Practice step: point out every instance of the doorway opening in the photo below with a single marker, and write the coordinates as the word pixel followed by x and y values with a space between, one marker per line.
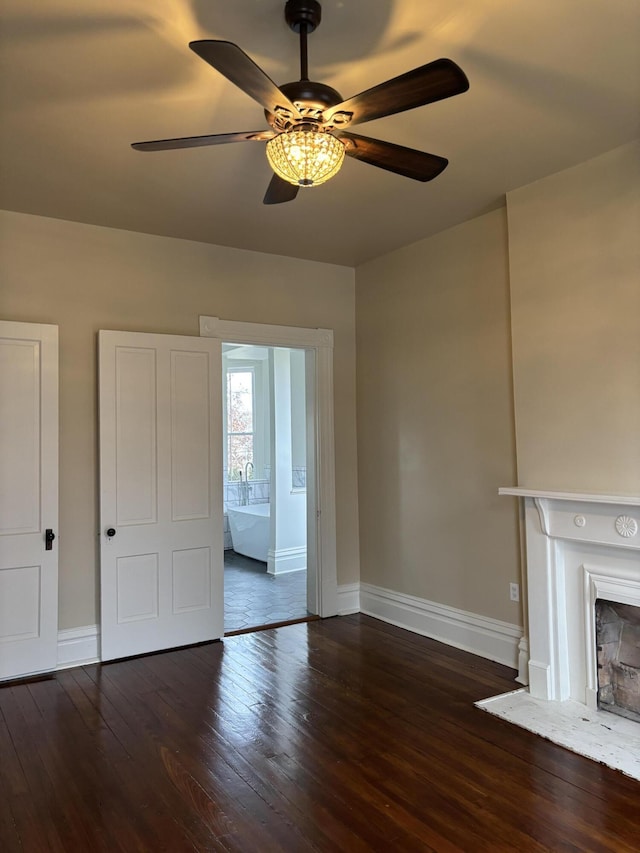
pixel 265 458
pixel 317 345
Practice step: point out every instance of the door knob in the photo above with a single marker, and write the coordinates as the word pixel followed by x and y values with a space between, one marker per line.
pixel 110 532
pixel 49 536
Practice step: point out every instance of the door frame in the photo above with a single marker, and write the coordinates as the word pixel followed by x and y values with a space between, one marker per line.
pixel 320 480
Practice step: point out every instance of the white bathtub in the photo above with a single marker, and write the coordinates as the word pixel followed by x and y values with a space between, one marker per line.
pixel 249 527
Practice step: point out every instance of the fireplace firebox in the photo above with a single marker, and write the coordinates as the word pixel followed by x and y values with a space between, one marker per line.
pixel 618 657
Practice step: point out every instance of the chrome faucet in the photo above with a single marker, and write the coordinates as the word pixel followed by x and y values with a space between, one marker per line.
pixel 245 488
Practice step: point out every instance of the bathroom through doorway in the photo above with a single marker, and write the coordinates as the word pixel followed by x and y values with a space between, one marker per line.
pixel 265 460
pixel 320 494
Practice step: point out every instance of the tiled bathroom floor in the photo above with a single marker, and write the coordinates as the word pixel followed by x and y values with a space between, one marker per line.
pixel 253 598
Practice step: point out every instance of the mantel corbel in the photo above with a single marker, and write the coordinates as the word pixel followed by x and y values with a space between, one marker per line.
pixel 543 512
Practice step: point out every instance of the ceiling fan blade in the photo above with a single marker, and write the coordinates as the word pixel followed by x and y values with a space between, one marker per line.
pixel 432 82
pixel 198 141
pixel 235 65
pixel 279 191
pixel 417 165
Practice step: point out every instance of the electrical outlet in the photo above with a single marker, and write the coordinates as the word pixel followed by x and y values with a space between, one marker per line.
pixel 514 591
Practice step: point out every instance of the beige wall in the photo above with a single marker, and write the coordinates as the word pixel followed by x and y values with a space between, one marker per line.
pixel 435 422
pixel 86 278
pixel 574 243
pixel 434 390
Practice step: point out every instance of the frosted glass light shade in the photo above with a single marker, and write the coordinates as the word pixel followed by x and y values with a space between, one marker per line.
pixel 305 158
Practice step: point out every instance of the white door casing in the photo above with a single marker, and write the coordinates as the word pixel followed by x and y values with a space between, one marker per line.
pixel 322 593
pixel 28 498
pixel 160 469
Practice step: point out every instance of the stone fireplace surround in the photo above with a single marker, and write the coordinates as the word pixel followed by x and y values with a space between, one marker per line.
pixel 579 547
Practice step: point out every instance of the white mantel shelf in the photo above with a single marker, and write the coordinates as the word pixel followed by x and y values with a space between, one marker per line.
pixel 583 497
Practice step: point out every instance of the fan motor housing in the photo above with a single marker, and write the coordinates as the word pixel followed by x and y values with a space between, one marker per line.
pixel 311 100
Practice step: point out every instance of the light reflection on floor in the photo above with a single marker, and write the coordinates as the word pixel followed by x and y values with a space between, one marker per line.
pixel 253 598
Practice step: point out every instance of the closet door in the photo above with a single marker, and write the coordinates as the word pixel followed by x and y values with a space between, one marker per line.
pixel 160 492
pixel 28 498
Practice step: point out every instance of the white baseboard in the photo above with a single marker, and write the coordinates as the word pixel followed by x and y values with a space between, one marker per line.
pixel 284 560
pixel 348 599
pixel 78 646
pixel 481 635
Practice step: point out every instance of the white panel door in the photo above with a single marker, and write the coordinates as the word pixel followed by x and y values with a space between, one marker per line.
pixel 28 498
pixel 160 492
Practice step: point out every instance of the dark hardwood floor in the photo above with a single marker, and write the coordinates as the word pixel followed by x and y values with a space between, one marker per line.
pixel 338 735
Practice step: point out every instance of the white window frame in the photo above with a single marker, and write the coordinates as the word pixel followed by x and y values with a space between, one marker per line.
pixel 261 428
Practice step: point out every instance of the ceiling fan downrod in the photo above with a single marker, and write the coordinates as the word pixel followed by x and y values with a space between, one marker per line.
pixel 303 16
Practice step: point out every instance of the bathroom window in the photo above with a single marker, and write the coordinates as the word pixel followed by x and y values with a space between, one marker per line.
pixel 240 420
pixel 246 412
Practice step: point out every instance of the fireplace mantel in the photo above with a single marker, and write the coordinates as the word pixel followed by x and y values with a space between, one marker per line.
pixel 576 544
pixel 584 497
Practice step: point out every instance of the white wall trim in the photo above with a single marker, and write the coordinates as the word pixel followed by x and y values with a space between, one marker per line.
pixel 264 333
pixel 480 635
pixel 348 599
pixel 523 661
pixel 78 646
pixel 281 561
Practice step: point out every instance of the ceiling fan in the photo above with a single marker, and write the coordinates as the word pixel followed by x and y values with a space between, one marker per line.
pixel 309 121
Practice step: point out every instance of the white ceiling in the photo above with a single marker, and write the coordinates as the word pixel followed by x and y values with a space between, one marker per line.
pixel 552 83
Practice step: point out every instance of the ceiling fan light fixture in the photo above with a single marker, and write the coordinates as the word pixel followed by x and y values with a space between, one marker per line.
pixel 311 123
pixel 305 157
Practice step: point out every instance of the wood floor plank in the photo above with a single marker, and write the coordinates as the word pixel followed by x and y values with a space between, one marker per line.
pixel 34 811
pixel 150 711
pixel 246 746
pixel 345 734
pixel 513 831
pixel 268 729
pixel 154 817
pixel 376 731
pixel 13 787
